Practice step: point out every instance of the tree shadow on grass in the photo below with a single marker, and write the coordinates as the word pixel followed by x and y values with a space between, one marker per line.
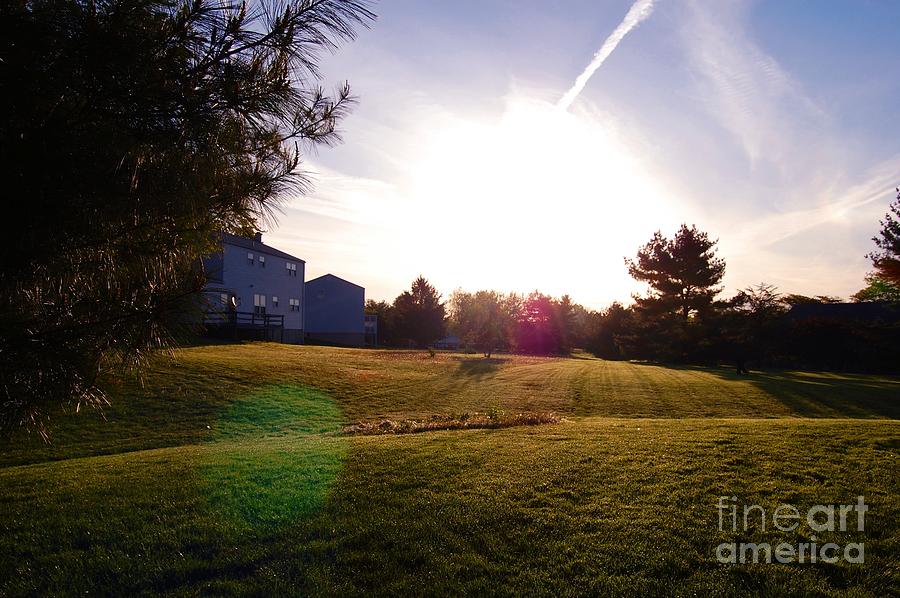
pixel 820 394
pixel 815 394
pixel 478 367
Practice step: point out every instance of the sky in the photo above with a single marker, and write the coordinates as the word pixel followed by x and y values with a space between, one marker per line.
pixel 488 151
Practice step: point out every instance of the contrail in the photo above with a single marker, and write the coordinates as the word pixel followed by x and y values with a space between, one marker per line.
pixel 639 11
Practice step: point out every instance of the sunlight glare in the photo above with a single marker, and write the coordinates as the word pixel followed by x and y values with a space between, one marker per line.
pixel 542 196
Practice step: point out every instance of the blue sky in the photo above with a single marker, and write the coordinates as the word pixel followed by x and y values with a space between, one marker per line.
pixel 768 124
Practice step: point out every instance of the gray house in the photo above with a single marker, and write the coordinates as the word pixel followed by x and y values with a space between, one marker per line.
pixel 255 291
pixel 335 311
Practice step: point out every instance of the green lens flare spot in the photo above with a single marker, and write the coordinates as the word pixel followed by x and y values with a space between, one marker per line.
pixel 271 461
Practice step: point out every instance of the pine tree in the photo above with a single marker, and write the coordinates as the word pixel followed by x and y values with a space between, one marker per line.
pixel 420 313
pixel 683 273
pixel 887 259
pixel 132 132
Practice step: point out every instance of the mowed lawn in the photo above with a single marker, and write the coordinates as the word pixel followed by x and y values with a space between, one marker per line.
pixel 225 473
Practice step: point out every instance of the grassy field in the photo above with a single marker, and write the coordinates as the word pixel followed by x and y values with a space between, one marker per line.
pixel 225 473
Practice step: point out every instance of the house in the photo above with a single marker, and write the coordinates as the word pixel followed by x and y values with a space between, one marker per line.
pixel 254 291
pixel 451 342
pixel 335 311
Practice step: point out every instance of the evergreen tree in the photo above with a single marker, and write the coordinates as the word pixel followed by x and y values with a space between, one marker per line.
pixel 420 313
pixel 878 289
pixel 133 131
pixel 887 259
pixel 683 273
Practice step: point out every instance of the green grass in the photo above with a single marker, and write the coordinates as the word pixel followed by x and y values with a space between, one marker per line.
pixel 225 474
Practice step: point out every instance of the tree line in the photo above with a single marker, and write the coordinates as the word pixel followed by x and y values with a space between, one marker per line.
pixel 485 321
pixel 682 318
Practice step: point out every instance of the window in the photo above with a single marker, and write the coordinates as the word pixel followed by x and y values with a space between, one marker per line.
pixel 259 304
pixel 274 301
pixel 262 261
pixel 291 268
pixel 295 304
pixel 223 297
pixel 250 259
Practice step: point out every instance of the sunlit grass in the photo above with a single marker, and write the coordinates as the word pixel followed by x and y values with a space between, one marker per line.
pixel 227 474
pixel 601 505
pixel 182 400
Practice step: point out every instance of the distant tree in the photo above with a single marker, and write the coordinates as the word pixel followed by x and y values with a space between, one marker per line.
pixel 564 324
pixel 386 321
pixel 543 325
pixel 132 132
pixel 534 333
pixel 583 324
pixel 751 325
pixel 795 299
pixel 610 327
pixel 683 273
pixel 460 313
pixel 878 289
pixel 761 301
pixel 887 258
pixel 654 335
pixel 493 322
pixel 484 319
pixel 420 313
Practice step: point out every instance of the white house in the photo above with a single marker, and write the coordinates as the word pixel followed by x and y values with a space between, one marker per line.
pixel 255 291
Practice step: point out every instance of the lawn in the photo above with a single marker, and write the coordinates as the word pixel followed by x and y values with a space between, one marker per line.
pixel 225 473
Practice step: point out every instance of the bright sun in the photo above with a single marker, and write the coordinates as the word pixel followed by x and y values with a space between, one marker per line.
pixel 541 198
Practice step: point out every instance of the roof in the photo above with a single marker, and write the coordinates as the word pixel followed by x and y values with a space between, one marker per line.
pixel 336 278
pixel 864 311
pixel 257 246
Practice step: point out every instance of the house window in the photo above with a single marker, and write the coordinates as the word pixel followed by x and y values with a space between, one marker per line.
pixel 223 297
pixel 291 268
pixel 274 301
pixel 262 261
pixel 250 259
pixel 259 304
pixel 295 304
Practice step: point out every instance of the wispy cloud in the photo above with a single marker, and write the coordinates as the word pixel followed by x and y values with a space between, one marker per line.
pixel 528 190
pixel 853 204
pixel 347 198
pixel 639 11
pixel 746 89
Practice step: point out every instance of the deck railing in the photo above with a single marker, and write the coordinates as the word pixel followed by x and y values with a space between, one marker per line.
pixel 245 324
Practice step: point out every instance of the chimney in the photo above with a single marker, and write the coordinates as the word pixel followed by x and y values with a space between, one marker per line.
pixel 258 237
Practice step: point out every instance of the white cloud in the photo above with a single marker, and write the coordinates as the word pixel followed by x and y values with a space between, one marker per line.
pixel 526 196
pixel 808 210
pixel 746 90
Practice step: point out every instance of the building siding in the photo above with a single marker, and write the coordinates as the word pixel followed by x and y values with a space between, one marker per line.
pixel 335 311
pixel 236 276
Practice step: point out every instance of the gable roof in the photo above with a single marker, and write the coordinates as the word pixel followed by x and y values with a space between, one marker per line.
pixel 257 246
pixel 338 278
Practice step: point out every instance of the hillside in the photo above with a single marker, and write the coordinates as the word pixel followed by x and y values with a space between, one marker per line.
pixel 226 474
